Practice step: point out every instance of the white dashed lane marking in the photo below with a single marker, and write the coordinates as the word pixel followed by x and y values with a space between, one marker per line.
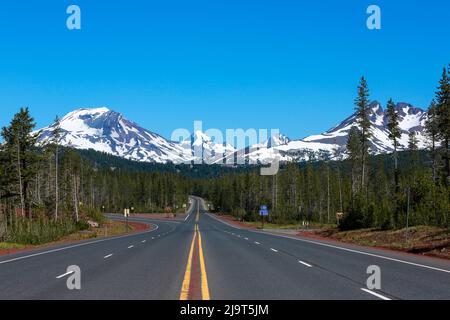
pixel 375 294
pixel 305 264
pixel 65 274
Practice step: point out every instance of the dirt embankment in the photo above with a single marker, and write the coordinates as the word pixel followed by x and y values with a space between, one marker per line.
pixel 424 240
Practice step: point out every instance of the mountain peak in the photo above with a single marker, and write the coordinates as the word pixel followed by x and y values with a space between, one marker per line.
pixel 88 111
pixel 277 140
pixel 376 107
pixel 104 130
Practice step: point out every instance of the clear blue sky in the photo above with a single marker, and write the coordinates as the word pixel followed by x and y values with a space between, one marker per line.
pixel 292 65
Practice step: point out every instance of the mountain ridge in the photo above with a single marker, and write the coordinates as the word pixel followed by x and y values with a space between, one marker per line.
pixel 105 130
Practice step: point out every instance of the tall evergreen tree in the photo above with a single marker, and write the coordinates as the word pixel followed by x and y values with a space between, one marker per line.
pixel 413 143
pixel 394 135
pixel 432 133
pixel 20 144
pixel 363 120
pixel 354 154
pixel 443 119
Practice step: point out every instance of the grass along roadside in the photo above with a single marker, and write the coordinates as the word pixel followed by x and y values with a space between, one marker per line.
pixel 11 246
pixel 109 228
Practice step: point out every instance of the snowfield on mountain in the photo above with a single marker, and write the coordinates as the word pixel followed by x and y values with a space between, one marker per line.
pixel 108 131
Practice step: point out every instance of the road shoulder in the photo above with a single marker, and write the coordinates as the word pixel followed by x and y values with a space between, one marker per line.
pixel 435 262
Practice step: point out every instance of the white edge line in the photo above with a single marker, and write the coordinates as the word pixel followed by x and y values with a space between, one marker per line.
pixel 336 247
pixel 78 245
pixel 189 209
pixel 65 274
pixel 375 294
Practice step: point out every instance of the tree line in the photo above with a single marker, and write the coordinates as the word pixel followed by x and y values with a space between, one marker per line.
pixel 47 191
pixel 387 191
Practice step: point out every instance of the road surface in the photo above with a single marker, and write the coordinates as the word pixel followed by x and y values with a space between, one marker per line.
pixel 205 258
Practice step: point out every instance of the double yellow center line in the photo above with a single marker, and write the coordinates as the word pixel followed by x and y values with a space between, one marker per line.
pixel 192 275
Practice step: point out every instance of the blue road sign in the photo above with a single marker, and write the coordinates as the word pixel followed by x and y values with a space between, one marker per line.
pixel 263 211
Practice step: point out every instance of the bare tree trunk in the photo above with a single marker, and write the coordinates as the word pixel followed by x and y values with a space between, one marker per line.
pixel 433 152
pixel 328 194
pixel 274 193
pixel 56 184
pixel 75 198
pixel 447 162
pixel 363 163
pixel 340 190
pixel 22 198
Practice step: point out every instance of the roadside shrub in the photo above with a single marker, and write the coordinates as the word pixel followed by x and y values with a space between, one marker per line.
pixel 82 225
pixel 42 230
pixel 95 214
pixel 352 220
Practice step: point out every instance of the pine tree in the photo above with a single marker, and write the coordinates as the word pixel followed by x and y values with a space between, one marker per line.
pixel 432 133
pixel 394 135
pixel 413 149
pixel 362 117
pixel 443 119
pixel 354 154
pixel 20 144
pixel 412 141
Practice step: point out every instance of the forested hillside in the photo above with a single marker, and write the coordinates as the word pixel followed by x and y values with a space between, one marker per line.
pixel 317 191
pixel 49 191
pixel 407 187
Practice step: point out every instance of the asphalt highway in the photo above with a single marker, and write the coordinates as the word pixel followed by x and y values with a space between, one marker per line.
pixel 204 258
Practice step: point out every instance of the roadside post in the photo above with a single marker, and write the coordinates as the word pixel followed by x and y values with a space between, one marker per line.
pixel 263 211
pixel 126 213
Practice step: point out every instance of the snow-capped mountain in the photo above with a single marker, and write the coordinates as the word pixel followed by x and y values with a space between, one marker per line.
pixel 203 149
pixel 107 131
pixel 410 119
pixel 323 146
